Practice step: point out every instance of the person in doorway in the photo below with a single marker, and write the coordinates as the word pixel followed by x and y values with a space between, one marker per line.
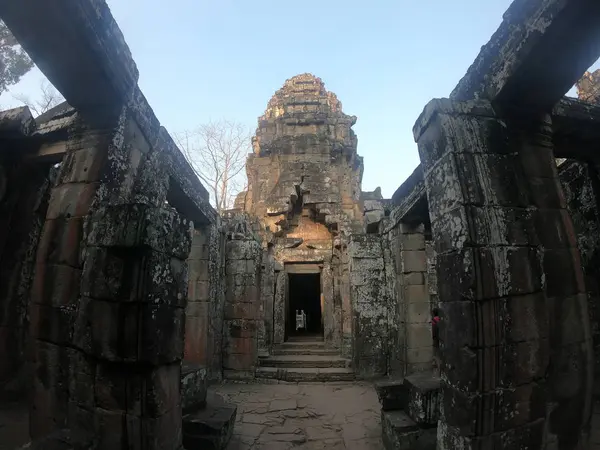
pixel 435 332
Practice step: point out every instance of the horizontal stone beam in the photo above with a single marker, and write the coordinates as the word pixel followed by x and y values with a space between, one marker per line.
pixel 16 123
pixel 78 46
pixel 540 50
pixel 410 200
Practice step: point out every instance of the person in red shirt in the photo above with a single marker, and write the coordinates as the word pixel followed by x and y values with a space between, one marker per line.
pixel 435 319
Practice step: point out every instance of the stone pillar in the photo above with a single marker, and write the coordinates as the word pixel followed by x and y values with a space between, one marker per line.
pixel 431 280
pixel 344 288
pixel 487 209
pixel 370 303
pixel 279 307
pixel 570 374
pixel 109 294
pixel 331 330
pixel 242 302
pixel 198 307
pixel 267 291
pixel 216 271
pixel 414 300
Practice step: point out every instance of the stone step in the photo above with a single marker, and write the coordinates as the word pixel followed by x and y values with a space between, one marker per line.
pixel 306 374
pixel 304 361
pixel 193 386
pixel 303 344
pixel 417 395
pixel 304 351
pixel 423 398
pixel 400 432
pixel 210 428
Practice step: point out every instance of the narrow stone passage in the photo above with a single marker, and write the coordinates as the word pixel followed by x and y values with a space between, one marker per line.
pixel 310 416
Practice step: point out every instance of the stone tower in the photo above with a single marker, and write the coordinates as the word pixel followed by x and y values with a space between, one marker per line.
pixel 305 162
pixel 304 187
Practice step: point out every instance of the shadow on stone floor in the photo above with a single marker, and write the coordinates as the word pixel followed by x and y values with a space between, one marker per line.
pixel 311 416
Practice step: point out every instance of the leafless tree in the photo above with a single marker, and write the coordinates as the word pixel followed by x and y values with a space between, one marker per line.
pixel 47 99
pixel 217 151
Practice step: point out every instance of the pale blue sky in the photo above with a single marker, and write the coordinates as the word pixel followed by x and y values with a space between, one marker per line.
pixel 385 59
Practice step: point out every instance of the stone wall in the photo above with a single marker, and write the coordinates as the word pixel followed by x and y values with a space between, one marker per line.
pixel 373 326
pixel 581 185
pixel 204 312
pixel 243 311
pixel 24 195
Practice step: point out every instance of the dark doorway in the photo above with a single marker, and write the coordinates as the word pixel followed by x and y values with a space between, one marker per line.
pixel 304 295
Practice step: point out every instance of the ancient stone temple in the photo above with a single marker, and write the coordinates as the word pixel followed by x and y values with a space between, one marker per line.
pixel 304 181
pixel 124 295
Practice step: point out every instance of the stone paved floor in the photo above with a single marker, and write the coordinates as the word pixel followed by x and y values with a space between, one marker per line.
pixel 308 416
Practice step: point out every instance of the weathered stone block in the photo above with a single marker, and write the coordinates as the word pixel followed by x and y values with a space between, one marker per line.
pixel 367 264
pixel 60 242
pixel 418 312
pixel 393 395
pixel 418 335
pixel 56 285
pixel 563 274
pixel 399 432
pixel 198 290
pixel 239 328
pixel 161 229
pixel 413 241
pixel 71 200
pixel 416 293
pixel 527 404
pixel 53 324
pixel 419 355
pixel 129 331
pixel 242 311
pixel 364 247
pixel 414 261
pixel 118 274
pixel 210 428
pixel 193 387
pixel 412 278
pixel 152 392
pixel 423 398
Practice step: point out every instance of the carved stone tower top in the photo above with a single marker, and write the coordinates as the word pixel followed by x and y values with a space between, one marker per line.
pixel 305 113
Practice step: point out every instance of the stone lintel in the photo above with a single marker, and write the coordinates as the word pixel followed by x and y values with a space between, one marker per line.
pixel 540 50
pixel 87 60
pixel 576 128
pixel 481 108
pixel 16 123
pixel 410 201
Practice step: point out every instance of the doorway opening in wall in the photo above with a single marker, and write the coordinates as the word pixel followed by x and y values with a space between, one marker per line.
pixel 304 311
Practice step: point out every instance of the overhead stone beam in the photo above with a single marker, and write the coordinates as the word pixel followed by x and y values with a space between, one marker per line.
pixel 410 200
pixel 576 128
pixel 79 47
pixel 537 54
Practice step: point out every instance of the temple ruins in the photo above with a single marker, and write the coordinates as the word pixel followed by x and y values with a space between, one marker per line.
pixel 124 295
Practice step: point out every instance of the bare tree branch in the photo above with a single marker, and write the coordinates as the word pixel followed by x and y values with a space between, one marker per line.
pixel 217 152
pixel 48 98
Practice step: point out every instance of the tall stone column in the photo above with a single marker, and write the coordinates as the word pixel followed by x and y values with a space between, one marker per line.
pixel 489 214
pixel 242 303
pixel 198 307
pixel 109 296
pixel 414 298
pixel 570 375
